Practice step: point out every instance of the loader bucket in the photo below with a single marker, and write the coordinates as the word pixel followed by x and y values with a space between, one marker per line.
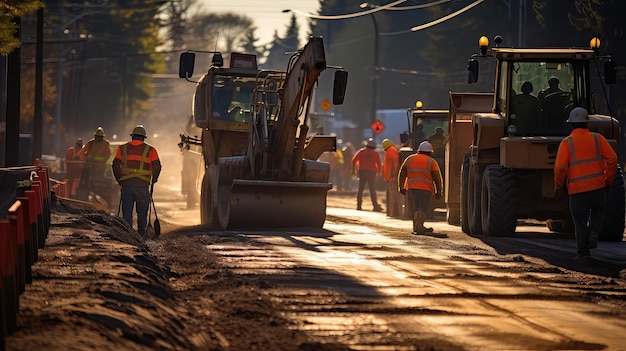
pixel 272 204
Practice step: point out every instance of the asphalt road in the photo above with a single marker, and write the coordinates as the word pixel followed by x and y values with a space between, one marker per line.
pixel 364 281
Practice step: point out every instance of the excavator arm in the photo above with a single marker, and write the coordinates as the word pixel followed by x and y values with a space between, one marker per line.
pixel 286 145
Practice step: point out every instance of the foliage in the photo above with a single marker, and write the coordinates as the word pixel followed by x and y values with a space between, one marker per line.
pixel 282 47
pixel 9 10
pixel 218 31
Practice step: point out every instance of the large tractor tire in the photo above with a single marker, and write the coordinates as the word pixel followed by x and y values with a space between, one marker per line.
pixel 208 211
pixel 463 195
pixel 613 229
pixel 498 201
pixel 474 185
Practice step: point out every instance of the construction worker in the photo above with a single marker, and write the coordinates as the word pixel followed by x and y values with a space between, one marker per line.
pixel 390 174
pixel 366 161
pixel 586 166
pixel 136 167
pixel 420 177
pixel 346 168
pixel 73 166
pixel 96 153
pixel 438 141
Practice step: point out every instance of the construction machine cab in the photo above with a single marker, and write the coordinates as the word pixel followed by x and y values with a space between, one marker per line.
pixel 507 168
pixel 536 88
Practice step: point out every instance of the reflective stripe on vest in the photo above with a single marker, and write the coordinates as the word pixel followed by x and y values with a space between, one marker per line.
pixel 577 167
pixel 97 151
pixel 418 173
pixel 137 166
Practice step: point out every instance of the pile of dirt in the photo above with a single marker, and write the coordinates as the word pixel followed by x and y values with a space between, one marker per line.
pixel 98 286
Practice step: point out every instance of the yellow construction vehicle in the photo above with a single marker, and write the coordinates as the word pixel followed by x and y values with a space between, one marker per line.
pixel 502 146
pixel 260 161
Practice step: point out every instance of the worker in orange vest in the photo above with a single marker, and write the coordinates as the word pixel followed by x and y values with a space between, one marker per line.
pixel 366 161
pixel 390 174
pixel 136 167
pixel 73 166
pixel 420 177
pixel 96 153
pixel 586 165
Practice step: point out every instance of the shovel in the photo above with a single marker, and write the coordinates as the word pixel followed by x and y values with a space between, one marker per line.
pixel 157 224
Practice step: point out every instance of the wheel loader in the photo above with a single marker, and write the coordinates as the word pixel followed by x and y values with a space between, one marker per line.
pixel 260 161
pixel 502 146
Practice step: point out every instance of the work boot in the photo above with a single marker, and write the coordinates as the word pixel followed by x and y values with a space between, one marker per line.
pixel 418 223
pixel 377 208
pixel 593 239
pixel 358 207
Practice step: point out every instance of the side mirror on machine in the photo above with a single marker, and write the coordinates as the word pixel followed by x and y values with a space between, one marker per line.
pixel 610 72
pixel 472 68
pixel 185 67
pixel 339 86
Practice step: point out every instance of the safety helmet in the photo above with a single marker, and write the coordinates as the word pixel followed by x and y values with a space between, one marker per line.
pixel 578 115
pixel 99 132
pixel 371 143
pixel 386 144
pixel 140 131
pixel 425 147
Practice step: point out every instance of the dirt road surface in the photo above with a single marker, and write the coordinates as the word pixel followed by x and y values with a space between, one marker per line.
pixel 363 282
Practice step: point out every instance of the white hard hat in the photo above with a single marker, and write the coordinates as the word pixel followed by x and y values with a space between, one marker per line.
pixel 578 115
pixel 425 147
pixel 140 131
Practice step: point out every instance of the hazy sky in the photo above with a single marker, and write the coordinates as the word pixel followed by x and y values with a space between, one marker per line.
pixel 267 14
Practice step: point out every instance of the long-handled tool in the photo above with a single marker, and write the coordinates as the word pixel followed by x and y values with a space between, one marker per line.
pixel 157 224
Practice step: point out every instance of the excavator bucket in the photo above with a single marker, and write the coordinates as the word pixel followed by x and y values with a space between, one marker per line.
pixel 272 204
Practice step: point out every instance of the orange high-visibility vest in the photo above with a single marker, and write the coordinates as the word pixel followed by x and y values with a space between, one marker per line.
pixel 136 161
pixel 391 163
pixel 419 168
pixel 97 151
pixel 587 161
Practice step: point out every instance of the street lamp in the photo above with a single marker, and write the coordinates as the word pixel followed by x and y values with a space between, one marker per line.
pixel 375 66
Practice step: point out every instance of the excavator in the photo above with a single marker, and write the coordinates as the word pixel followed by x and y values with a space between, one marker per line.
pixel 260 161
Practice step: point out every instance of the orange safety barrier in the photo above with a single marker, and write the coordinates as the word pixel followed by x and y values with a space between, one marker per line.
pixel 42 174
pixel 41 221
pixel 15 214
pixel 30 249
pixel 34 228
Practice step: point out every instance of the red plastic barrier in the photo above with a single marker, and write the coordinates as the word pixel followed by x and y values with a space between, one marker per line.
pixel 34 228
pixel 41 218
pixel 15 215
pixel 45 181
pixel 30 249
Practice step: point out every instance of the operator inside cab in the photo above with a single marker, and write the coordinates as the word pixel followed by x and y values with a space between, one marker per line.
pixel 231 99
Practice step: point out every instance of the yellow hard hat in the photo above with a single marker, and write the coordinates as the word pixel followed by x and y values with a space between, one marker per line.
pixel 139 130
pixel 386 143
pixel 99 132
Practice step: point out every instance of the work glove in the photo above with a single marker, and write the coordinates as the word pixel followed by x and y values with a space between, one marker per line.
pixel 403 191
pixel 154 180
pixel 559 193
pixel 438 196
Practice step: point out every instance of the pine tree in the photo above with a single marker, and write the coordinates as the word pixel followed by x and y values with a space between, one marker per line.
pixel 282 48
